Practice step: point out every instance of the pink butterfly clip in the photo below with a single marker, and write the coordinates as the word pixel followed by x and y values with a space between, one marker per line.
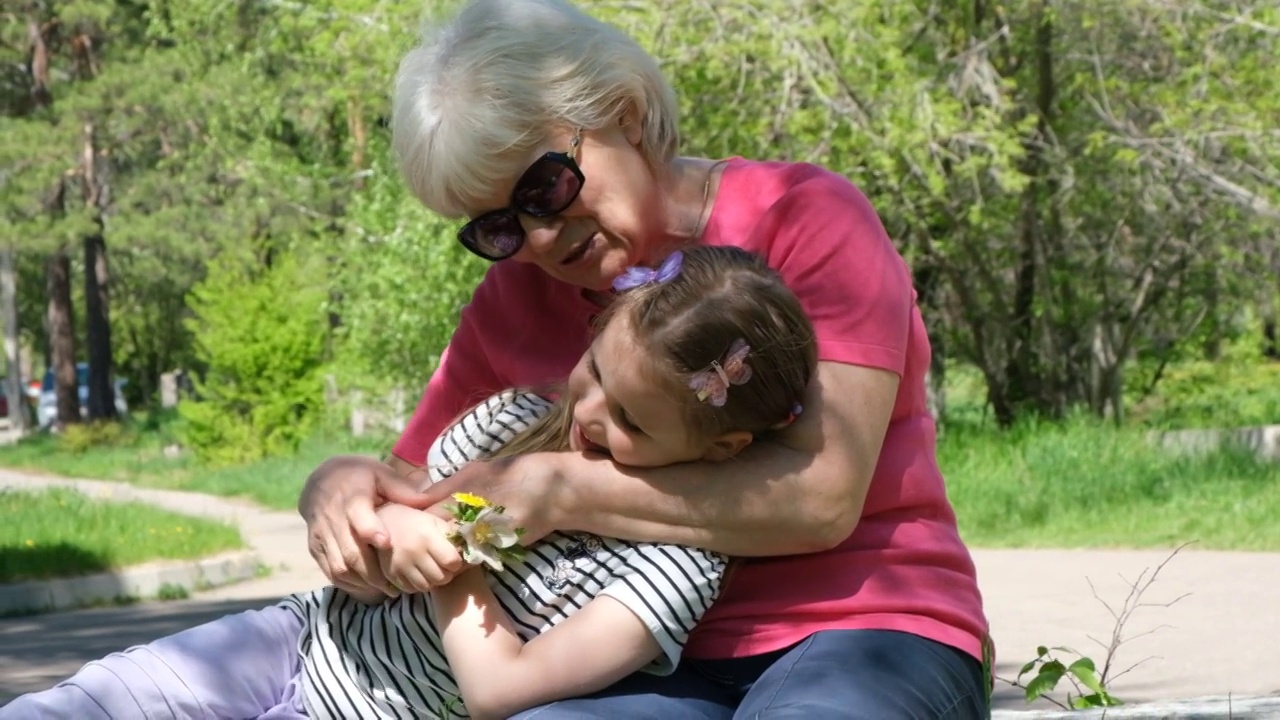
pixel 712 385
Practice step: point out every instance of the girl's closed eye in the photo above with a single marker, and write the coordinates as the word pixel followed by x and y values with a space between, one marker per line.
pixel 629 425
pixel 623 419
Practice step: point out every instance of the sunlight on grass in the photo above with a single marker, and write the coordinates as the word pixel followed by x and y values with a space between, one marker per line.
pixel 1083 483
pixel 62 533
pixel 139 459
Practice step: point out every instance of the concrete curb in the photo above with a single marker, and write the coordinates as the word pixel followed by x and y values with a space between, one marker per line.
pixel 144 581
pixel 1204 708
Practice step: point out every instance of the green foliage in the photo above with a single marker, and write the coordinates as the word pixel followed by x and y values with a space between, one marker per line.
pixel 1130 211
pixel 1088 689
pixel 1225 394
pixel 172 591
pixel 80 437
pixel 260 334
pixel 402 280
pixel 1211 382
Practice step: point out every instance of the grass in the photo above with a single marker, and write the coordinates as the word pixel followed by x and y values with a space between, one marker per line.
pixel 138 457
pixel 1084 483
pixel 62 533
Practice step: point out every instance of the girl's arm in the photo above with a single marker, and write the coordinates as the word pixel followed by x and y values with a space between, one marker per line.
pixel 500 675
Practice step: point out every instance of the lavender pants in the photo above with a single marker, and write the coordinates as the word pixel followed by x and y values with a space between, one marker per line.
pixel 240 666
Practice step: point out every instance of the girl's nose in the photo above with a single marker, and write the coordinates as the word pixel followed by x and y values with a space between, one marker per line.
pixel 587 410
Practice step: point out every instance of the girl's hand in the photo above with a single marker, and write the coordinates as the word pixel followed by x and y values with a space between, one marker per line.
pixel 343 531
pixel 526 485
pixel 421 556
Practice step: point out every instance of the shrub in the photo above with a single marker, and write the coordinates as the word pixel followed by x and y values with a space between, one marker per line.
pixel 79 437
pixel 260 334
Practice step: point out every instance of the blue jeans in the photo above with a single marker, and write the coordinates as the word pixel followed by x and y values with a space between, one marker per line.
pixel 874 674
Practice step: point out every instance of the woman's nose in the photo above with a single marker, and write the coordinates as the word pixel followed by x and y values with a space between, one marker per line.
pixel 540 236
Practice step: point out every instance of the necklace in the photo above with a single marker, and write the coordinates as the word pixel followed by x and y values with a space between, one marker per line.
pixel 703 215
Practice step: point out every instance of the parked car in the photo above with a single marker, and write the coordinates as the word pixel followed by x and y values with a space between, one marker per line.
pixel 47 402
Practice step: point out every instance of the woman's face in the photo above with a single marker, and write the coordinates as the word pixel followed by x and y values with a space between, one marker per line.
pixel 621 407
pixel 615 222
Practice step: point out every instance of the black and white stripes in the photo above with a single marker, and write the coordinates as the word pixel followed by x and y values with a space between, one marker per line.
pixel 386 661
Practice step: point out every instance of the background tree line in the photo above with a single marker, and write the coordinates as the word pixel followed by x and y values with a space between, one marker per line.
pixel 1085 191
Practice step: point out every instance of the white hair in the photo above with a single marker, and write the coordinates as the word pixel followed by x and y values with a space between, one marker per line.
pixel 480 92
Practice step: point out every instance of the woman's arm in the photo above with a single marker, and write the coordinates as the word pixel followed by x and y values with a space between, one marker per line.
pixel 499 674
pixel 801 492
pixel 805 490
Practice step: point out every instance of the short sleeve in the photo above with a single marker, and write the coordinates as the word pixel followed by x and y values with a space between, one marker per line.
pixel 669 588
pixel 483 430
pixel 829 246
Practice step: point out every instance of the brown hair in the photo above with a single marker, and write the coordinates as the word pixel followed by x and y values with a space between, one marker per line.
pixel 719 295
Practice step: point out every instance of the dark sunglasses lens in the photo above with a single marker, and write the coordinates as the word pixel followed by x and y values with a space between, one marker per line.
pixel 547 187
pixel 495 236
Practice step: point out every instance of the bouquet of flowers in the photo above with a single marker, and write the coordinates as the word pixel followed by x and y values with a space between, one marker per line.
pixel 484 534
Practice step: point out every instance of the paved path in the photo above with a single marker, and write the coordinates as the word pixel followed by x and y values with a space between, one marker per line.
pixel 1218 639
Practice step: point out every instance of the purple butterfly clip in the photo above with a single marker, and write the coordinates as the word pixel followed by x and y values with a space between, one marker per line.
pixel 634 277
pixel 712 385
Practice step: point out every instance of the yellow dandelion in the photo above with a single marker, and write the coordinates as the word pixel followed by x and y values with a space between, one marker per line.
pixel 31 543
pixel 472 500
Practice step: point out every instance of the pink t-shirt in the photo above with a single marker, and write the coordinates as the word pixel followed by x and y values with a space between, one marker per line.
pixel 904 567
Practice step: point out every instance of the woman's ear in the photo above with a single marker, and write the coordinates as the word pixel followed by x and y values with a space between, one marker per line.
pixel 631 121
pixel 727 446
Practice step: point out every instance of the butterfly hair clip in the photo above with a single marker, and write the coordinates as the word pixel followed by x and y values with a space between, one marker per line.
pixel 712 385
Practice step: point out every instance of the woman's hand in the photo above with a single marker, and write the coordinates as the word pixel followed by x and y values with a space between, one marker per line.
pixel 343 531
pixel 421 556
pixel 526 486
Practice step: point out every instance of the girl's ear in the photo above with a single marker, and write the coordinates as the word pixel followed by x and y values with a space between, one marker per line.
pixel 727 445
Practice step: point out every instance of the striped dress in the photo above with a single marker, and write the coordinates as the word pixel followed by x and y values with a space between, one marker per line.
pixel 386 661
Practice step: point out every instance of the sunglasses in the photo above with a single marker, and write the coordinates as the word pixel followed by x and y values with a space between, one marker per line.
pixel 547 188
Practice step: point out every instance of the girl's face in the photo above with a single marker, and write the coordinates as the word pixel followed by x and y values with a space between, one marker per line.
pixel 613 224
pixel 623 408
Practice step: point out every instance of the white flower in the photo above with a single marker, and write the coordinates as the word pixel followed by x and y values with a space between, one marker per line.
pixel 484 538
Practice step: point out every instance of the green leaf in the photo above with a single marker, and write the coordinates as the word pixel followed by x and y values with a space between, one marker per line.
pixel 1044 682
pixel 1087 701
pixel 1085 672
pixel 1027 668
pixel 1109 700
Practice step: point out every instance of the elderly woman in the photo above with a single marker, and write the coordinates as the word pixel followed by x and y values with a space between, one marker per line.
pixel 556 136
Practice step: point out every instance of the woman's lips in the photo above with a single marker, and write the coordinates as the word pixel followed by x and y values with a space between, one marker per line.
pixel 579 252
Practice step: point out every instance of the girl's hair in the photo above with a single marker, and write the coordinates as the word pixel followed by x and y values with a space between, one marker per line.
pixel 720 295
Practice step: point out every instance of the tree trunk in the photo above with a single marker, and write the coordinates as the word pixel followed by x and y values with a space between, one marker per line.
pixel 102 405
pixel 1270 309
pixel 1106 386
pixel 62 340
pixel 13 383
pixel 1024 369
pixel 1270 339
pixel 927 282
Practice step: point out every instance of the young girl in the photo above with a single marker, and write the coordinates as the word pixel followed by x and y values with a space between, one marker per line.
pixel 692 361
